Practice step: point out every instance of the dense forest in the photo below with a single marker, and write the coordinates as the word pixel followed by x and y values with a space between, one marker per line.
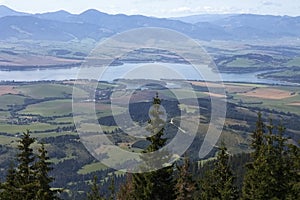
pixel 270 171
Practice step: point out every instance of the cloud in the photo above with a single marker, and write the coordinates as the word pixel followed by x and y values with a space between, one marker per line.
pixel 270 3
pixel 181 9
pixel 204 9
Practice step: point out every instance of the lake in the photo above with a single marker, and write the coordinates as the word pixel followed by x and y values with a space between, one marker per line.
pixel 141 70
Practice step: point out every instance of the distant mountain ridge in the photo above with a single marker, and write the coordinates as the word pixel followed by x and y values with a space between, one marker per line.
pixel 64 26
pixel 193 19
pixel 5 11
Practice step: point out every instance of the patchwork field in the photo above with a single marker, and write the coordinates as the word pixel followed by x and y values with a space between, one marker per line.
pixel 7 89
pixel 45 108
pixel 269 93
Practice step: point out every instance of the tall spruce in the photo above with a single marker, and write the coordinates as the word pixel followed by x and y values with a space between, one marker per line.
pixel 25 175
pixel 112 188
pixel 94 193
pixel 9 188
pixel 42 167
pixel 185 185
pixel 268 176
pixel 294 161
pixel 30 179
pixel 157 184
pixel 258 136
pixel 218 184
pixel 126 190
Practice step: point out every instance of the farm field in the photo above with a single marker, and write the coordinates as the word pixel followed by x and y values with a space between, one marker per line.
pixel 45 108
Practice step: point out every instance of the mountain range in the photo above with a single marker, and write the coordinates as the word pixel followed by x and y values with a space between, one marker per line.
pixel 64 26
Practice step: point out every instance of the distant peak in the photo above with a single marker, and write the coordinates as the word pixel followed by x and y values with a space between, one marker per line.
pixel 3 7
pixel 92 12
pixel 62 11
pixel 6 11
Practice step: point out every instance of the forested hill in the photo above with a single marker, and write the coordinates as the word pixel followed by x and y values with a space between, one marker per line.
pixel 64 26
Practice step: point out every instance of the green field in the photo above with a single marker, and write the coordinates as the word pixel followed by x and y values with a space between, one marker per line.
pixel 241 62
pixel 49 108
pixel 34 127
pixel 9 100
pixel 46 110
pixel 294 62
pixel 41 91
pixel 89 168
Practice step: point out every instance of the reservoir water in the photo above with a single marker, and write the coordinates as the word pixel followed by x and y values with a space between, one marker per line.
pixel 123 71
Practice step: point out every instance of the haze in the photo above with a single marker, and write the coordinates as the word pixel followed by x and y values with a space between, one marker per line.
pixel 159 8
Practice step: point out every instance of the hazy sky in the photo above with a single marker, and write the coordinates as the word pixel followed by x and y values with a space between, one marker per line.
pixel 160 8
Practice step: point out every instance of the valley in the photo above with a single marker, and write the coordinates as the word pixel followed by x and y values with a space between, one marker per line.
pixel 45 108
pixel 255 57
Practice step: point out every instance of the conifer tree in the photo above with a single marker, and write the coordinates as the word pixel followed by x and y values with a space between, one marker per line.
pixel 294 161
pixel 95 194
pixel 112 188
pixel 258 136
pixel 126 190
pixel 9 187
pixel 219 183
pixel 268 176
pixel 30 179
pixel 185 185
pixel 157 184
pixel 42 167
pixel 25 175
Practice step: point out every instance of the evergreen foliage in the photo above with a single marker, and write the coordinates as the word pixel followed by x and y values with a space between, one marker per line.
pixel 185 185
pixel 157 184
pixel 273 167
pixel 94 194
pixel 30 179
pixel 42 167
pixel 112 188
pixel 219 182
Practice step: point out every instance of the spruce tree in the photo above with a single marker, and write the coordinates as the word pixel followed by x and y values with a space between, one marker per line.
pixel 112 188
pixel 219 183
pixel 294 161
pixel 185 185
pixel 25 175
pixel 95 194
pixel 126 190
pixel 258 136
pixel 30 179
pixel 42 167
pixel 9 187
pixel 268 176
pixel 276 155
pixel 157 184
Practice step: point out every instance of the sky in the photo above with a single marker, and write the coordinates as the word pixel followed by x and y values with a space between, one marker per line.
pixel 160 8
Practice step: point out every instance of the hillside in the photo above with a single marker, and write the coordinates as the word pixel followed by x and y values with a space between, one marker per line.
pixel 96 25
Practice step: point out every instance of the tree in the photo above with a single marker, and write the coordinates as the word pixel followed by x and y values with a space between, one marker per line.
pixel 269 175
pixel 30 179
pixel 25 175
pixel 94 194
pixel 155 184
pixel 258 136
pixel 185 186
pixel 9 187
pixel 294 161
pixel 42 167
pixel 125 191
pixel 112 188
pixel 219 183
